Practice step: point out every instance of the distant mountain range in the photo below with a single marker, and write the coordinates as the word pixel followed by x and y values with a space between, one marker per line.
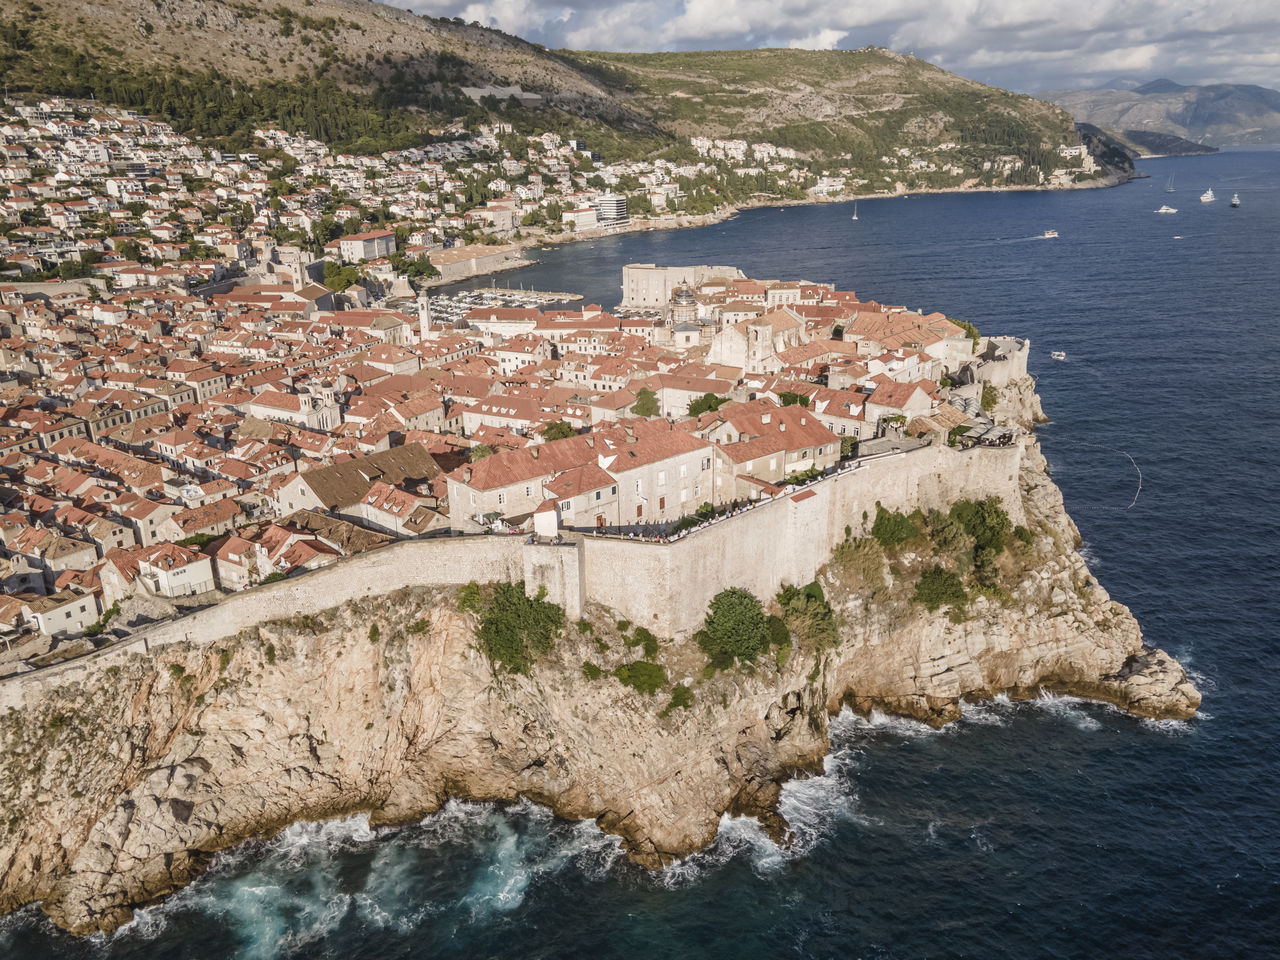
pixel 1220 114
pixel 369 77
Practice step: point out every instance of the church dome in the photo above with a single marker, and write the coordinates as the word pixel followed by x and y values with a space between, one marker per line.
pixel 682 296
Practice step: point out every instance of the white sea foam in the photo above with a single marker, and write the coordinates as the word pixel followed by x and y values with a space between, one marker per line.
pixel 1071 709
pixel 979 840
pixel 1202 680
pixel 1176 728
pixel 849 725
pixel 987 713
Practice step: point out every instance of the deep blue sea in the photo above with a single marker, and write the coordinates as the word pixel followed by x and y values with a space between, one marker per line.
pixel 1054 828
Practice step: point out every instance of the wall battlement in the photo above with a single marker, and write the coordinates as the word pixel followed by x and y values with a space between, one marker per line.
pixel 663 586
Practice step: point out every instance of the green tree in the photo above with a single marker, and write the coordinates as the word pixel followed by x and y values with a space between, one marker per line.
pixel 559 430
pixel 892 528
pixel 339 278
pixel 984 520
pixel 706 403
pixel 646 404
pixel 735 628
pixel 479 452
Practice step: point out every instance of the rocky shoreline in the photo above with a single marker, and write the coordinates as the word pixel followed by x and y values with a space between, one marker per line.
pixel 119 791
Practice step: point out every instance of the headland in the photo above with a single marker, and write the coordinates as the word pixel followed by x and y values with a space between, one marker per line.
pixel 375 685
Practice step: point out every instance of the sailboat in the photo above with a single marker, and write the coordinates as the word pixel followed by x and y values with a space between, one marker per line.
pixel 1168 187
pixel 855 211
pixel 1235 199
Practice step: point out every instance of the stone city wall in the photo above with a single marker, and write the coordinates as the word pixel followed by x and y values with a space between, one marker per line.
pixel 437 562
pixel 664 586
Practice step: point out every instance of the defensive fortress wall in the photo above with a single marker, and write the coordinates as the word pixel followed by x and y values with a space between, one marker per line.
pixel 664 586
pixel 667 587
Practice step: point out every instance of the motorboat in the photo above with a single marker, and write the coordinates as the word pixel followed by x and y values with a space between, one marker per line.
pixel 1207 196
pixel 1165 208
pixel 1235 199
pixel 1059 355
pixel 1050 234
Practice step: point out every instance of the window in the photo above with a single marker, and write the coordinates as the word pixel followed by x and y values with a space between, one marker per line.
pixel 662 477
pixel 638 490
pixel 597 494
pixel 684 471
pixel 706 463
pixel 773 463
pixel 502 498
pixel 528 491
pixel 613 491
pixel 639 510
pixel 662 503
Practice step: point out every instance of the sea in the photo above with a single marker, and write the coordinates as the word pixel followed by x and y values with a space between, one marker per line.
pixel 1048 828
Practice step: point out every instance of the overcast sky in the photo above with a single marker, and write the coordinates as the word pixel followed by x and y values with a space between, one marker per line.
pixel 1024 45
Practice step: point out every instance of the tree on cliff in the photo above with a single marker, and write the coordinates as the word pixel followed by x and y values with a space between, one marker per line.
pixel 735 628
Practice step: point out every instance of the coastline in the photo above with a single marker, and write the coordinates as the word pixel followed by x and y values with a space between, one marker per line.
pixel 162 758
pixel 728 212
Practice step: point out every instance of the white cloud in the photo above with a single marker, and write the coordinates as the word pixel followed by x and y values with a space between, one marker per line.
pixel 825 39
pixel 1021 44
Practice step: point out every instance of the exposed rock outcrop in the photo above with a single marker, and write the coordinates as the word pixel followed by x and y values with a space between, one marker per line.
pixel 118 792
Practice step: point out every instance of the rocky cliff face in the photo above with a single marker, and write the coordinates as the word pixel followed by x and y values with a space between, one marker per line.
pixel 116 793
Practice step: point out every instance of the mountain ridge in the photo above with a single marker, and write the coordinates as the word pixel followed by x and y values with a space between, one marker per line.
pixel 374 77
pixel 1220 114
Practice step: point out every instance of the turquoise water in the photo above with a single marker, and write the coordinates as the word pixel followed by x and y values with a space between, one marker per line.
pixel 1054 828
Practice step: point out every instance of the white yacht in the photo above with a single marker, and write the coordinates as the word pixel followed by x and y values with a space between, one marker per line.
pixel 1050 234
pixel 1059 354
pixel 1165 208
pixel 1207 196
pixel 1235 199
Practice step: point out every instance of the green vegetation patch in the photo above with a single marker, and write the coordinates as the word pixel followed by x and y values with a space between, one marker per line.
pixel 642 676
pixel 706 403
pixel 644 638
pixel 681 699
pixel 807 615
pixel 990 397
pixel 892 528
pixel 939 587
pixel 516 629
pixel 735 628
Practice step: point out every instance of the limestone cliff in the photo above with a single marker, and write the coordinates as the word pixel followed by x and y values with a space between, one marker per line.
pixel 117 791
